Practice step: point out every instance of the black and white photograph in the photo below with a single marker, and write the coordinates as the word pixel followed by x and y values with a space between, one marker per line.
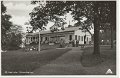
pixel 58 38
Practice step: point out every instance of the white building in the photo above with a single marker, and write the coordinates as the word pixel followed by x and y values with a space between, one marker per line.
pixel 68 34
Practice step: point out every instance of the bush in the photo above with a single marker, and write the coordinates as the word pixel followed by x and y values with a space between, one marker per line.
pixel 33 43
pixel 13 42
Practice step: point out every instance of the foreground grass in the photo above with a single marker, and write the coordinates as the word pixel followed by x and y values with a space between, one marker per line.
pixel 13 63
pixel 106 60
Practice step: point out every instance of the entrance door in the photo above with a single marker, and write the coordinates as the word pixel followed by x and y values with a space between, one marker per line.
pixel 70 37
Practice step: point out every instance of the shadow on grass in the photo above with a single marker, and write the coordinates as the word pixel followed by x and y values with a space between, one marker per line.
pixel 15 62
pixel 106 54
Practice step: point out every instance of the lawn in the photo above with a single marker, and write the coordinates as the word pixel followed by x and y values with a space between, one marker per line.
pixel 23 63
pixel 99 64
pixel 43 46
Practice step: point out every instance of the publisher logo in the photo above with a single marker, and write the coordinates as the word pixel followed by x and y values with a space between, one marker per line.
pixel 109 71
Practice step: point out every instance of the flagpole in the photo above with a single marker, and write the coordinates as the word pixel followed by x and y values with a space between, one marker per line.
pixel 39 42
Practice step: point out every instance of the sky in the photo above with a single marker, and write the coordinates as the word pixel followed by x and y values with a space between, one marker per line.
pixel 19 10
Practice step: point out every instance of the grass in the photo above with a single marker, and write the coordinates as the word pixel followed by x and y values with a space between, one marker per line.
pixel 43 46
pixel 16 61
pixel 106 59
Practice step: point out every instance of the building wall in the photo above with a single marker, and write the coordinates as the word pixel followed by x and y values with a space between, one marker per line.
pixel 66 36
pixel 80 36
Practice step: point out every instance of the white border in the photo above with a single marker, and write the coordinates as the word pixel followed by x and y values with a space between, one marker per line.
pixel 77 76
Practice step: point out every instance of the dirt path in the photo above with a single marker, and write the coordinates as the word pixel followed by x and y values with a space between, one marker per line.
pixel 67 64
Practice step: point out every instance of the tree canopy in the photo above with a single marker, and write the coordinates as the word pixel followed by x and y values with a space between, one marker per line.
pixel 41 15
pixel 10 34
pixel 5 24
pixel 96 12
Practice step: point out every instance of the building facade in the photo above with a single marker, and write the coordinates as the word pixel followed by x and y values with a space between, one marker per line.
pixel 67 35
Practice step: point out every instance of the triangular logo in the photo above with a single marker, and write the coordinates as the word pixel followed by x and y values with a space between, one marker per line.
pixel 109 71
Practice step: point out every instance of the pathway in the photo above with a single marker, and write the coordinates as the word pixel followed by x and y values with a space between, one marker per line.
pixel 67 64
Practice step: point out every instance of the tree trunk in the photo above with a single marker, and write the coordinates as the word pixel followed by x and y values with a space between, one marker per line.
pixel 96 30
pixel 96 39
pixel 113 20
pixel 111 37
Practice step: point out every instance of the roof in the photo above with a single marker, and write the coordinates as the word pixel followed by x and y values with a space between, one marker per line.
pixel 67 29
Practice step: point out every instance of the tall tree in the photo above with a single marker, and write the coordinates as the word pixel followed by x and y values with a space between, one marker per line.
pixel 94 11
pixel 5 25
pixel 112 20
pixel 11 35
pixel 14 41
pixel 58 22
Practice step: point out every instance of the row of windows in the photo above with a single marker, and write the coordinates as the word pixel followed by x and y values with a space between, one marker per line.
pixel 80 38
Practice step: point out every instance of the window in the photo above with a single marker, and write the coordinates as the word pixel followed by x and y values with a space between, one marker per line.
pixel 75 37
pixel 81 38
pixel 46 38
pixel 70 37
pixel 33 38
pixel 87 38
